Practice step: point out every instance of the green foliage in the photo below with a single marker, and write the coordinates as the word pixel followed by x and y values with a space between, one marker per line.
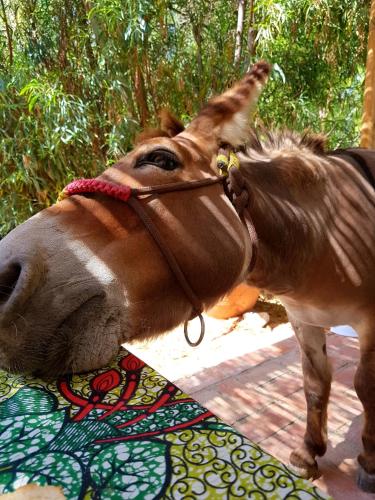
pixel 319 53
pixel 79 78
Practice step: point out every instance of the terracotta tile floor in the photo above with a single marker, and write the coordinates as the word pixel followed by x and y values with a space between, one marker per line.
pixel 249 374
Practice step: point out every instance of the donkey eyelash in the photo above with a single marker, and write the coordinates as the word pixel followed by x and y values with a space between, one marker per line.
pixel 161 158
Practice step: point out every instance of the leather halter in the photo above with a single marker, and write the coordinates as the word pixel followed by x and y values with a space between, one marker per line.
pixel 131 196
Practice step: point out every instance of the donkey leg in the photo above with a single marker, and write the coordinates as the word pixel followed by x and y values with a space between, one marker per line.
pixel 317 384
pixel 364 383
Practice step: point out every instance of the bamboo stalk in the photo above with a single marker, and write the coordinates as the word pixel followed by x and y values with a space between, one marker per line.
pixel 8 32
pixel 368 118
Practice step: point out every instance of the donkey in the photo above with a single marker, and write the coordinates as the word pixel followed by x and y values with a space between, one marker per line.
pixel 90 272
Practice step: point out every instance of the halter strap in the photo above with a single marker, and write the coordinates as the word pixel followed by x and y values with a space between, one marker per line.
pixel 131 197
pixel 142 213
pixel 124 193
pixel 228 164
pixel 237 191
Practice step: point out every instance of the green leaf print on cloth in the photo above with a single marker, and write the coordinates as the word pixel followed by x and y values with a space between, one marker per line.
pixel 26 435
pixel 75 436
pixel 57 469
pixel 28 400
pixel 134 470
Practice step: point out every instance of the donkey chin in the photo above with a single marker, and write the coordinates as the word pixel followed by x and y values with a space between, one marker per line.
pixel 90 336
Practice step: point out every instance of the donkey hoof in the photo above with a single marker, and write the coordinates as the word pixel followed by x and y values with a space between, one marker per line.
pixel 365 480
pixel 307 472
pixel 303 464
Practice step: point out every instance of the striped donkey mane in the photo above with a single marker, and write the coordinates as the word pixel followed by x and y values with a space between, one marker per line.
pixel 294 159
pixel 268 143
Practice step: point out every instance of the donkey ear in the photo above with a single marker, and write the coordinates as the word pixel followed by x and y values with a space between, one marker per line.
pixel 169 123
pixel 315 142
pixel 226 116
pixel 169 127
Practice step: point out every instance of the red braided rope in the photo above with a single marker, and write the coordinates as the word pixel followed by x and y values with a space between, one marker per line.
pixel 78 186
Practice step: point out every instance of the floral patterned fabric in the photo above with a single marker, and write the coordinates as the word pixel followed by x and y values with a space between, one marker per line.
pixel 126 432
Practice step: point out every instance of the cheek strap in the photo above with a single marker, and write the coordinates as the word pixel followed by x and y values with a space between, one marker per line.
pixel 131 197
pixel 142 213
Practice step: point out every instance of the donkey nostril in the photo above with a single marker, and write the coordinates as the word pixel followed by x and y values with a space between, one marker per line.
pixel 8 280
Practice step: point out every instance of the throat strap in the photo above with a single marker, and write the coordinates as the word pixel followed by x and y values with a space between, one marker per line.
pixel 237 191
pixel 142 213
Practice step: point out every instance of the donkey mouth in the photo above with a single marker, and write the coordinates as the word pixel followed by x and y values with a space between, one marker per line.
pixel 88 338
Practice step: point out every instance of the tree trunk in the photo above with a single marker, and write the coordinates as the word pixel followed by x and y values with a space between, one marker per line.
pixel 198 40
pixel 240 18
pixel 150 85
pixel 252 33
pixel 251 36
pixel 140 91
pixel 368 118
pixel 63 39
pixel 8 32
pixel 197 33
pixel 84 11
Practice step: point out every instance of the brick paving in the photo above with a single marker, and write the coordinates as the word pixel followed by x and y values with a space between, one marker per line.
pixel 249 374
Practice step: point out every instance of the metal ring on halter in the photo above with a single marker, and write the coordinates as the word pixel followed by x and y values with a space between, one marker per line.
pixel 201 335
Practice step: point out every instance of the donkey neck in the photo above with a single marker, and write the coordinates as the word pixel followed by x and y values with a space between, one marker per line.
pixel 287 195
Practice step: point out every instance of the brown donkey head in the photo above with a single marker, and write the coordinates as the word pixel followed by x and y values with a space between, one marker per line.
pixel 84 275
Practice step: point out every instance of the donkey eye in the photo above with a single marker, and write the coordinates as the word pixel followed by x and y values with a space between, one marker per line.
pixel 161 158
